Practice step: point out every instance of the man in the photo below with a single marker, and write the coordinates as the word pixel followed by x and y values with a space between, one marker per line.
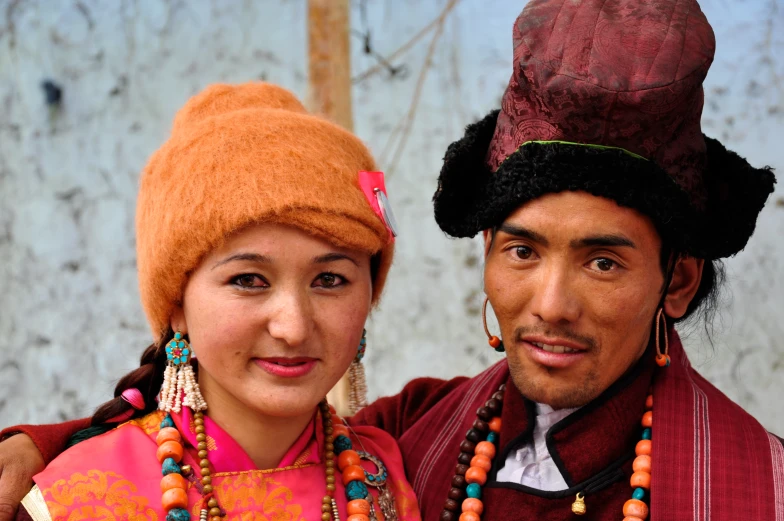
pixel 604 211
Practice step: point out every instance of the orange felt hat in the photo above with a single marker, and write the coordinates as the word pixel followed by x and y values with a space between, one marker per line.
pixel 242 154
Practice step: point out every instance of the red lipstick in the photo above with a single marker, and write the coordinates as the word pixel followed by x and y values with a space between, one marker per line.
pixel 283 367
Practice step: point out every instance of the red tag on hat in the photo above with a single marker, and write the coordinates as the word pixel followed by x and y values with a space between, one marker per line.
pixel 372 184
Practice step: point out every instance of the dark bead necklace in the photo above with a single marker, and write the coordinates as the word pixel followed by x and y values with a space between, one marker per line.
pixel 479 448
pixel 477 451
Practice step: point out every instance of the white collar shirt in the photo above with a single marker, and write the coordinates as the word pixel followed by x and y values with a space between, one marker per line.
pixel 532 465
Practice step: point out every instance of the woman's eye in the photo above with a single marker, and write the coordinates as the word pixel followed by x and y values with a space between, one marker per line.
pixel 604 264
pixel 329 280
pixel 249 280
pixel 523 252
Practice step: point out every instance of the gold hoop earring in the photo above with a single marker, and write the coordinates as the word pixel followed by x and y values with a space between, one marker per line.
pixel 495 342
pixel 662 359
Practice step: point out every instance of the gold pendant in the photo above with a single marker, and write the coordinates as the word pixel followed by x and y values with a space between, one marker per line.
pixel 578 507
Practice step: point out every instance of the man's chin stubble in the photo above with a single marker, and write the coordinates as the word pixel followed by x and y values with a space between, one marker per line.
pixel 565 397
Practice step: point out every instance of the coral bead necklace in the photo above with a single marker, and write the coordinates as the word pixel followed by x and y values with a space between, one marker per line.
pixel 174 483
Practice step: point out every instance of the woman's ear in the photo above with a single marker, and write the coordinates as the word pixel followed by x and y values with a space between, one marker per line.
pixel 177 320
pixel 685 282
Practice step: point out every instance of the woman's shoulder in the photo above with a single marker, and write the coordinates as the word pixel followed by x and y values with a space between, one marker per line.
pixel 117 469
pixel 149 424
pixel 122 438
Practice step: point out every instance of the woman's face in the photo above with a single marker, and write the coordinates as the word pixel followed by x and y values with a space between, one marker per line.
pixel 274 317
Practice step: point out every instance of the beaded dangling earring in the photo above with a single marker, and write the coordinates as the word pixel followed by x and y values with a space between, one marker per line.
pixel 357 397
pixel 662 359
pixel 493 340
pixel 179 381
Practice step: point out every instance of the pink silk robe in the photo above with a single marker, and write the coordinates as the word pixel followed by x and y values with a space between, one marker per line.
pixel 116 476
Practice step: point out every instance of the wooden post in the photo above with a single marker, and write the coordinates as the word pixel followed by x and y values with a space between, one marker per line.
pixel 329 61
pixel 329 94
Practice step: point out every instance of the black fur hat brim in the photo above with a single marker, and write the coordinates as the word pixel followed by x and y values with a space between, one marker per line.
pixel 470 198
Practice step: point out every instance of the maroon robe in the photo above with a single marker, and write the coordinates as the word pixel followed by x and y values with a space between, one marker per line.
pixel 593 447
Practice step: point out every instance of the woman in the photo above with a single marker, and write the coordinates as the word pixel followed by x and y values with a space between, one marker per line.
pixel 261 249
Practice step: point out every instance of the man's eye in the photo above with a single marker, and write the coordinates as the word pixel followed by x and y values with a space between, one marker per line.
pixel 604 264
pixel 523 252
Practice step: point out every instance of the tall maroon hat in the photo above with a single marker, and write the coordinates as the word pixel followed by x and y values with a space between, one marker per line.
pixel 606 97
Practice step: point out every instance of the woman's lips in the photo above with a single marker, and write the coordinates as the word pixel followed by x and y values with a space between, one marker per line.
pixel 286 367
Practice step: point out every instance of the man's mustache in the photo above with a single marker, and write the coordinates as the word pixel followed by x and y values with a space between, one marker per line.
pixel 524 331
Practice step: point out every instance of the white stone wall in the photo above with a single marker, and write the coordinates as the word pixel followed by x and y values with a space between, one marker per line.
pixel 70 321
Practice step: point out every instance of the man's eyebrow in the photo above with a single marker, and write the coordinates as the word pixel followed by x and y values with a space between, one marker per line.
pixel 253 257
pixel 523 233
pixel 331 257
pixel 609 240
pixel 606 240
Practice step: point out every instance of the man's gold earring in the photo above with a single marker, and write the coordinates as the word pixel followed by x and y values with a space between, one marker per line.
pixel 662 359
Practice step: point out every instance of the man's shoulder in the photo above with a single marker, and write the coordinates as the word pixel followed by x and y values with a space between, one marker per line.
pixel 439 397
pixel 396 414
pixel 432 391
pixel 731 411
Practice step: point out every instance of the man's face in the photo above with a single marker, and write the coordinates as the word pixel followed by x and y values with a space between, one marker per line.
pixel 574 281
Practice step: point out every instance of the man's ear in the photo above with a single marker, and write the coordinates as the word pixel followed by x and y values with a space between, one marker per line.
pixel 685 282
pixel 487 236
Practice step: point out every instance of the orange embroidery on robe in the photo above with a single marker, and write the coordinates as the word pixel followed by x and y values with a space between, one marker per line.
pixel 105 496
pixel 150 423
pixel 302 458
pixel 252 496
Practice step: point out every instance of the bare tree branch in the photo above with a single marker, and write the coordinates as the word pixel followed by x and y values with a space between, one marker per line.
pixel 437 23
